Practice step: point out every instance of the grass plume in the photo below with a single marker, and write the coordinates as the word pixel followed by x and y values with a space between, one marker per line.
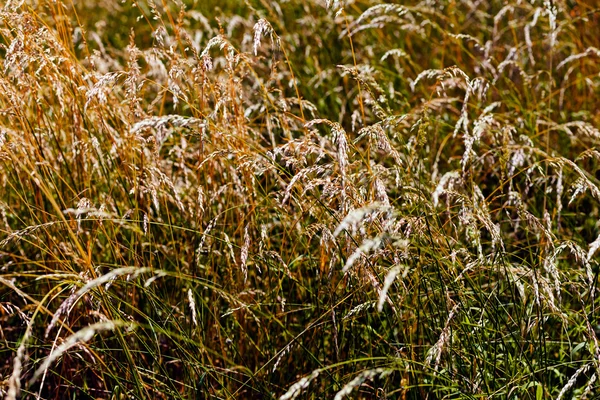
pixel 300 199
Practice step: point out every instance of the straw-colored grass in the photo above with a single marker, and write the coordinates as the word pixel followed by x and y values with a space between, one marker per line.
pixel 300 199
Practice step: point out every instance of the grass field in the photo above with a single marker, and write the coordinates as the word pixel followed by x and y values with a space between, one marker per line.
pixel 299 199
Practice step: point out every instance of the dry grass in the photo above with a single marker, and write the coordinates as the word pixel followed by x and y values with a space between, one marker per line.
pixel 303 199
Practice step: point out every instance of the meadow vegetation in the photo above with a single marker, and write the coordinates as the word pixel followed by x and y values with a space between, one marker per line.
pixel 299 199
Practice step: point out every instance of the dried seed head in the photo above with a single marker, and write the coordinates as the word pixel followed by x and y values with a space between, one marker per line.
pixel 244 254
pixel 261 28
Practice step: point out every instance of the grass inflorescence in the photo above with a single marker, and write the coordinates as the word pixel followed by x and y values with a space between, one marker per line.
pixel 300 199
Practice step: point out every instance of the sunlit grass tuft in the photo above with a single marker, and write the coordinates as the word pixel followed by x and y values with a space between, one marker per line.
pixel 303 199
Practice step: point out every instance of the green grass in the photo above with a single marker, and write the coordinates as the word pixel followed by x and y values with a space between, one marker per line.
pixel 299 199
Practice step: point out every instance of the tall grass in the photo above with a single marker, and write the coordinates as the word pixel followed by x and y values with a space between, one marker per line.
pixel 301 199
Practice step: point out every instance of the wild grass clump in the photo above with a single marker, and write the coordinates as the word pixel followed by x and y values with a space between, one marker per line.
pixel 301 199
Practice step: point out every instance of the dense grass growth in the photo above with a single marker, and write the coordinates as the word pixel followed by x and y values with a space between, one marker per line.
pixel 304 198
